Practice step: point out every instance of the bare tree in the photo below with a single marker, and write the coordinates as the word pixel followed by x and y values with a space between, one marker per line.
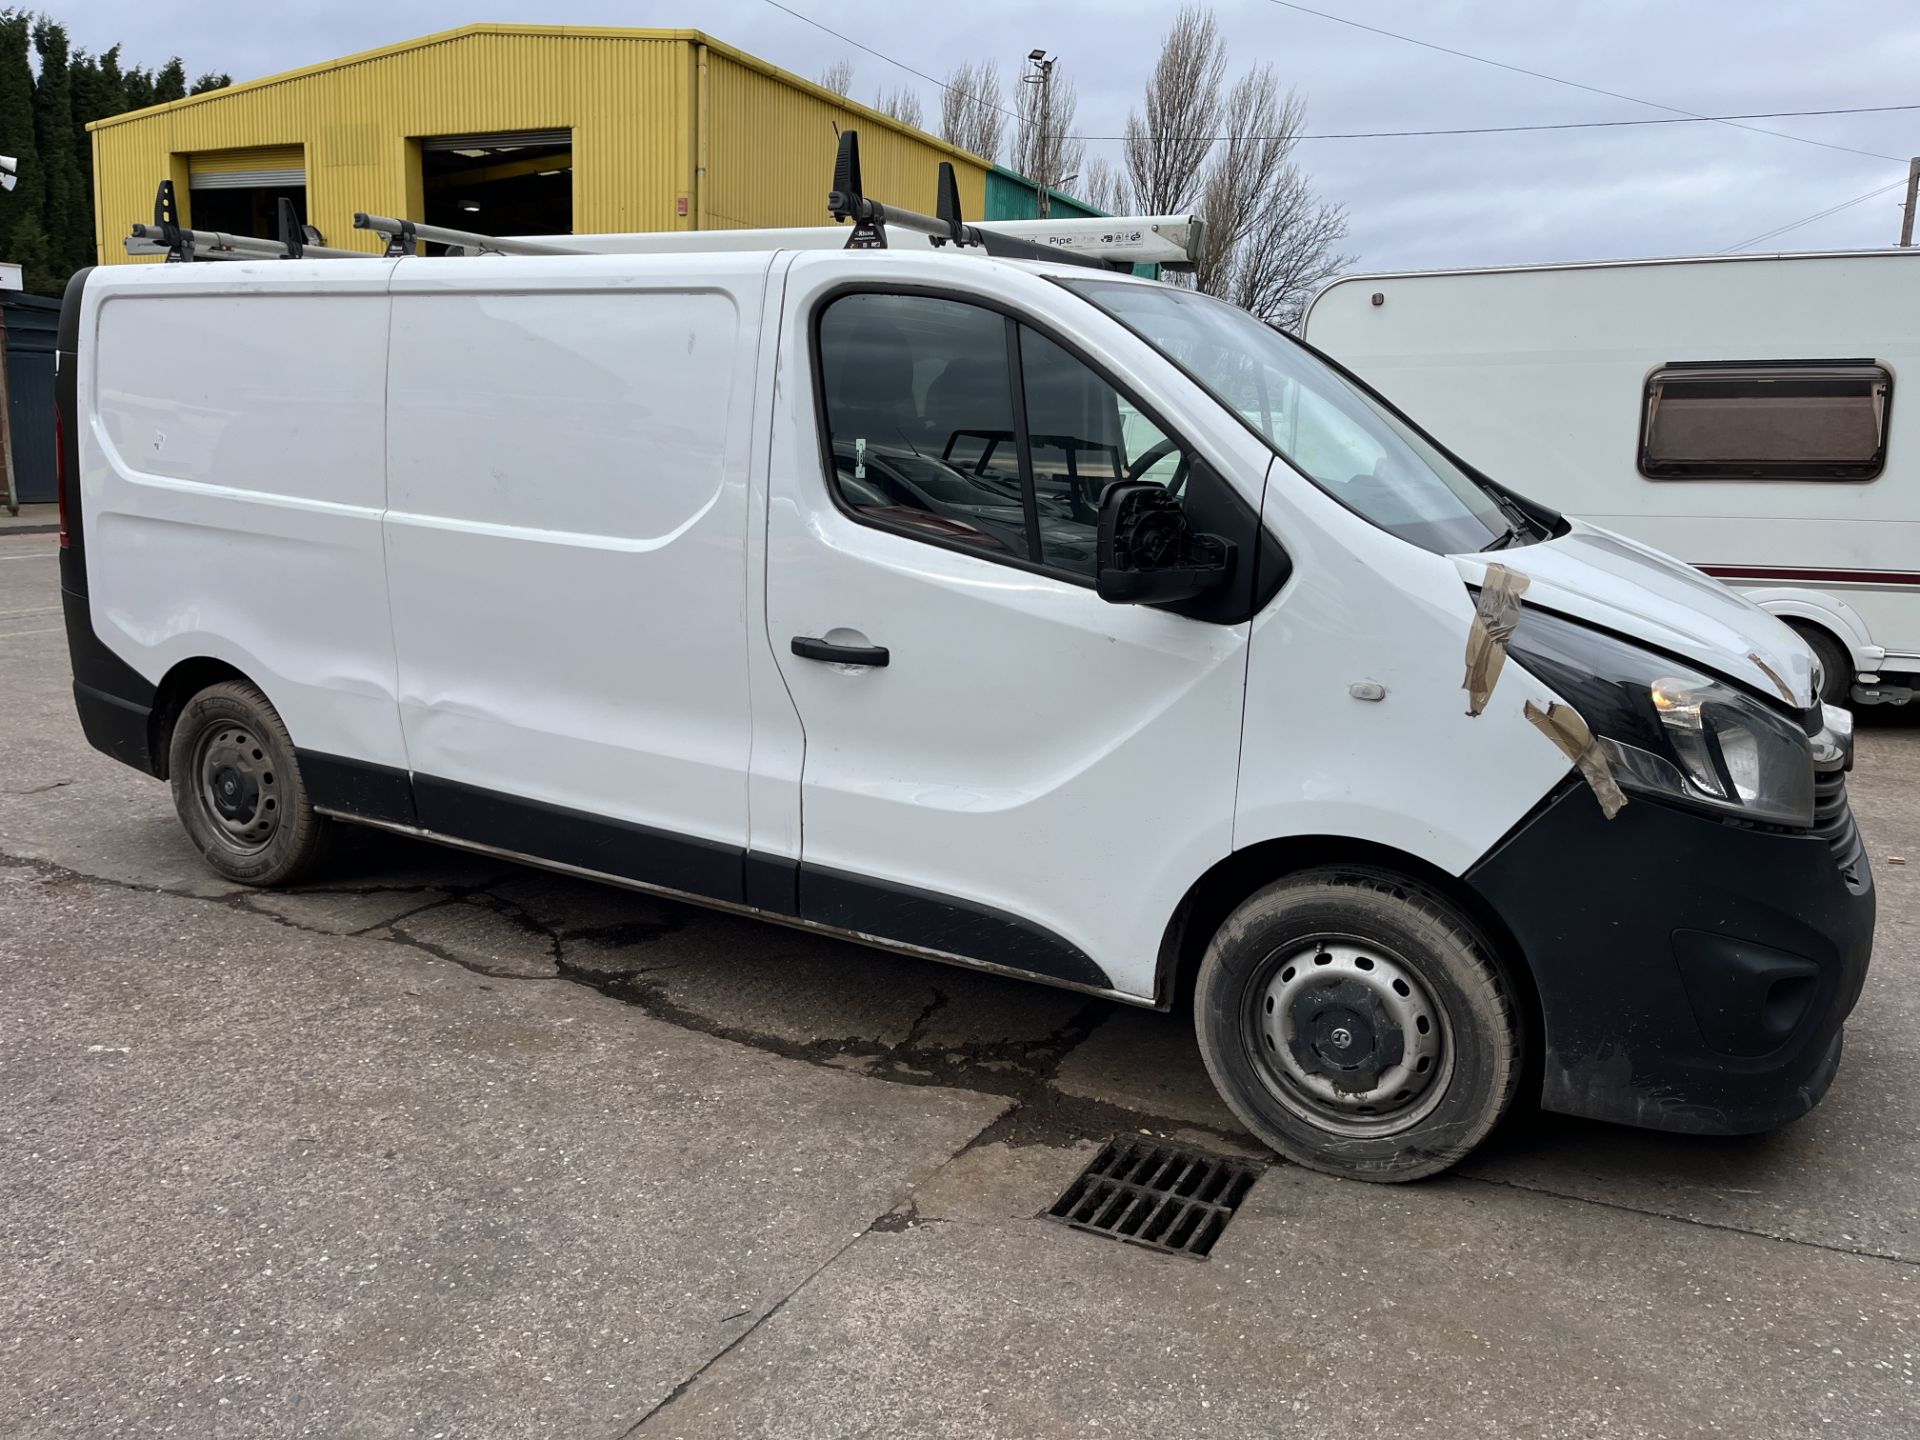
pixel 1043 147
pixel 1269 241
pixel 838 77
pixel 1105 187
pixel 903 105
pixel 1167 146
pixel 970 109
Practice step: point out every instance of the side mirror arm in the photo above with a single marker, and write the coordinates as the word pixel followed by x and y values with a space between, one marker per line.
pixel 1149 555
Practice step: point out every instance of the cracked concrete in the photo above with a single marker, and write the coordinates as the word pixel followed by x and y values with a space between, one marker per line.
pixel 444 1145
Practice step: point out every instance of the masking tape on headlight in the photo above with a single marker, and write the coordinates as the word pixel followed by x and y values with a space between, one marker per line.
pixel 1563 725
pixel 1494 617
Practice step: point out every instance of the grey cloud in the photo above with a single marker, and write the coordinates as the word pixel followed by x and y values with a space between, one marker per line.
pixel 1657 190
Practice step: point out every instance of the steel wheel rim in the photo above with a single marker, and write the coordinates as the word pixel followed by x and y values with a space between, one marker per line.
pixel 238 786
pixel 1302 1068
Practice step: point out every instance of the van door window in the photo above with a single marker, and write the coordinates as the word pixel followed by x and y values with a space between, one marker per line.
pixel 960 426
pixel 919 404
pixel 1085 435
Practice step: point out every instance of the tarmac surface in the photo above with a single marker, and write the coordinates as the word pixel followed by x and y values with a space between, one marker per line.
pixel 441 1146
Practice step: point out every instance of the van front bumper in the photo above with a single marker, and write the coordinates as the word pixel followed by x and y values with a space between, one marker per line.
pixel 1692 975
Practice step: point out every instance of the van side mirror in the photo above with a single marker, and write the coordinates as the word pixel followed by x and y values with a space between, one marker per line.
pixel 1147 552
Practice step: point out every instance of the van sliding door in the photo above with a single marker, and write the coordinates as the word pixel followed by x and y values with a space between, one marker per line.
pixel 567 463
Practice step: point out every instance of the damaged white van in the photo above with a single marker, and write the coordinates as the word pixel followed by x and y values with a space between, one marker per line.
pixel 1006 611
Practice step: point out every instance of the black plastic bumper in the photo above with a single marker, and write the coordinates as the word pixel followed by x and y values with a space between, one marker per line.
pixel 115 703
pixel 1693 975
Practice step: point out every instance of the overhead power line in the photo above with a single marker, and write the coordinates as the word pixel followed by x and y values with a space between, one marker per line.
pixel 1575 84
pixel 1561 125
pixel 868 49
pixel 1679 117
pixel 1819 215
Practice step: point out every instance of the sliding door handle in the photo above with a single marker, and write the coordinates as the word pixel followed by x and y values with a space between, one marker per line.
pixel 808 648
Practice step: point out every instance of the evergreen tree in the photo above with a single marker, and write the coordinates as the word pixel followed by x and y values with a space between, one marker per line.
pixel 69 233
pixel 47 223
pixel 23 236
pixel 99 90
pixel 171 82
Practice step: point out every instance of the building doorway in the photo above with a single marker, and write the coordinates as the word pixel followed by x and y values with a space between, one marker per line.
pixel 507 184
pixel 239 191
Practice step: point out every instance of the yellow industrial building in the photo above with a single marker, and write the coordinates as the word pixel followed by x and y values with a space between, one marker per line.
pixel 523 130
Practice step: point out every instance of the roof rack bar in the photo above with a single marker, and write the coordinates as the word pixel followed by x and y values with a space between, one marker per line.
pixel 403 232
pixel 166 235
pixel 847 201
pixel 221 245
pixel 292 234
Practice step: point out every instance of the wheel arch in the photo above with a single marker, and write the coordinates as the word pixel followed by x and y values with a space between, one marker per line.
pixel 1216 894
pixel 1817 609
pixel 179 685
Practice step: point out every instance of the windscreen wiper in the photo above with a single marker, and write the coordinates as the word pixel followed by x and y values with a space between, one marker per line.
pixel 1502 540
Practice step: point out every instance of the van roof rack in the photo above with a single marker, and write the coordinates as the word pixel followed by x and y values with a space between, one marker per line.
pixel 166 235
pixel 1098 242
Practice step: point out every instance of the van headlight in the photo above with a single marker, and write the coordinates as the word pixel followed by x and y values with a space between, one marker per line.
pixel 1669 731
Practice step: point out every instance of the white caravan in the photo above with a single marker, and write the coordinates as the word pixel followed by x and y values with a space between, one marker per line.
pixel 1740 412
pixel 1012 613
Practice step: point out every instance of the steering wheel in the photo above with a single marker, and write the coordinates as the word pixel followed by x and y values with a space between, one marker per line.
pixel 1152 456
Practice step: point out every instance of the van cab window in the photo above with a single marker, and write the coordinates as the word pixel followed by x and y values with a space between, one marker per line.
pixel 958 425
pixel 1333 432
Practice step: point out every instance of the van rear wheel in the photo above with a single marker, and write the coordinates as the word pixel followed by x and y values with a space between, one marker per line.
pixel 238 790
pixel 1357 1023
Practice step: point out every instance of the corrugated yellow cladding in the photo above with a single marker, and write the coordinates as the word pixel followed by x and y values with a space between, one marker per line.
pixel 627 99
pixel 630 98
pixel 771 150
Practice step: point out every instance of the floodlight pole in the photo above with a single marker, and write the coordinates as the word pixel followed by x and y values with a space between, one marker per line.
pixel 1913 190
pixel 1042 75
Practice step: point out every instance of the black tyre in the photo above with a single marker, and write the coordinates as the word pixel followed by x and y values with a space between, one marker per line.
pixel 1836 666
pixel 1358 1023
pixel 238 789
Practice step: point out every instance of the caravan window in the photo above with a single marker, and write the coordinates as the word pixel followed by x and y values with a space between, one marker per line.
pixel 1765 420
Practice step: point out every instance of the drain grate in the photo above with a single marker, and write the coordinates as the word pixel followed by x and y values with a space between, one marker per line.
pixel 1164 1197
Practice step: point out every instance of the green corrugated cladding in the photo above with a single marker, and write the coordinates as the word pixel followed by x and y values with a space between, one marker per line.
pixel 1011 196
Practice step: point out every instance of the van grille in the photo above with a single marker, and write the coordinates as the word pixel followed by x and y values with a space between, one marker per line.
pixel 1833 822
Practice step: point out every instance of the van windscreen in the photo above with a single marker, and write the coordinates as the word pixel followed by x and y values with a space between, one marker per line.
pixel 1334 433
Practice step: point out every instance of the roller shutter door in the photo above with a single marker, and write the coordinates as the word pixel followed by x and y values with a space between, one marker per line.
pixel 247 169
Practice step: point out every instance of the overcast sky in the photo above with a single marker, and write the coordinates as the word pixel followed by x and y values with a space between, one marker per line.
pixel 1462 200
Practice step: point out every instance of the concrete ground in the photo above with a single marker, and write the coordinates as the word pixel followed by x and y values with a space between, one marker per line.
pixel 29 519
pixel 446 1147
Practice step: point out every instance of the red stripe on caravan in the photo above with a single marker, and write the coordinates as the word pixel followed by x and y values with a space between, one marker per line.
pixel 1781 572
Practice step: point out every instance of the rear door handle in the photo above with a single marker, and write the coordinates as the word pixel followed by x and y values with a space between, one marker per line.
pixel 809 648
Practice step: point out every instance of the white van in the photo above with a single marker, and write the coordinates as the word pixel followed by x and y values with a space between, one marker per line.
pixel 1016 614
pixel 1739 411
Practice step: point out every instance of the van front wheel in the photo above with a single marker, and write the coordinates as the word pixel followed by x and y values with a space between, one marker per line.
pixel 1357 1022
pixel 238 790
